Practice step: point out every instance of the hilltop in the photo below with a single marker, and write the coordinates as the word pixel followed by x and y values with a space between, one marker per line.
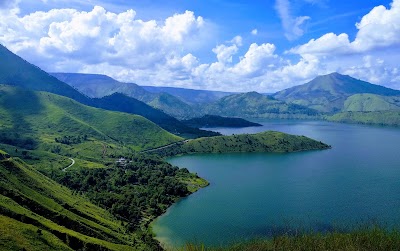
pixel 328 93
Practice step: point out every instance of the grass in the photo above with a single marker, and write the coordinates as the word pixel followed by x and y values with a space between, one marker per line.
pixel 373 238
pixel 99 136
pixel 387 118
pixel 29 197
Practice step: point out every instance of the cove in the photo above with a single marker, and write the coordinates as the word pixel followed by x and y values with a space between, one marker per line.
pixel 262 194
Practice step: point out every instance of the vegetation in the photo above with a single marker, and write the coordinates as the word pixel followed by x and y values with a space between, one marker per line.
pixel 42 212
pixel 367 239
pixel 122 103
pixel 328 93
pixel 371 103
pixel 20 73
pixel 218 121
pixel 387 118
pixel 255 105
pixel 136 191
pixel 269 141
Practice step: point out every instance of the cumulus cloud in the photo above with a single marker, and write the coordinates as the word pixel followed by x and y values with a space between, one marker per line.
pixel 378 37
pixel 292 25
pixel 166 52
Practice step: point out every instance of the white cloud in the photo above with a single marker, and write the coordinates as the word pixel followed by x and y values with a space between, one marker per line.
pixel 292 25
pixel 166 52
pixel 254 32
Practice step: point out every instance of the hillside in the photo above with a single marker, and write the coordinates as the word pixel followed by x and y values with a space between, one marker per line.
pixel 48 122
pixel 218 121
pixel 39 214
pixel 269 141
pixel 387 118
pixel 98 86
pixel 371 103
pixel 190 96
pixel 122 103
pixel 16 71
pixel 256 105
pixel 328 93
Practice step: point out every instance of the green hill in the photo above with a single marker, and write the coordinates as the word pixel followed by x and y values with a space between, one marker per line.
pixel 328 93
pixel 97 86
pixel 16 71
pixel 387 118
pixel 371 103
pixel 36 213
pixel 120 102
pixel 269 141
pixel 218 121
pixel 47 122
pixel 256 105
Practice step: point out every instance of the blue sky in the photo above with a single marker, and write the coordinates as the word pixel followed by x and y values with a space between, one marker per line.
pixel 208 44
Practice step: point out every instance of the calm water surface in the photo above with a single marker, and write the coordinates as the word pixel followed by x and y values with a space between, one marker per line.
pixel 261 194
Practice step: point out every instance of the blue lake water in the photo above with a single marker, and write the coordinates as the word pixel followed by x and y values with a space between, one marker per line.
pixel 263 194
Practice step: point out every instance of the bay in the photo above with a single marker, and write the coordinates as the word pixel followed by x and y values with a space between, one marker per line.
pixel 263 194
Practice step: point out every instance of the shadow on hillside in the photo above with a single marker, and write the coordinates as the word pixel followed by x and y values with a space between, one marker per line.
pixel 19 104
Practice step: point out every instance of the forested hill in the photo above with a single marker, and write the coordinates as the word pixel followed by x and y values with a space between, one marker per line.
pixel 269 141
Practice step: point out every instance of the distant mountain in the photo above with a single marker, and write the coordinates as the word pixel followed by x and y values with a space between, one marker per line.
pixel 371 103
pixel 328 93
pixel 98 86
pixel 16 71
pixel 256 105
pixel 190 96
pixel 386 118
pixel 218 121
pixel 123 103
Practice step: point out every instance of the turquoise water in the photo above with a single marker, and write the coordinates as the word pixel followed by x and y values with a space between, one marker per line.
pixel 260 195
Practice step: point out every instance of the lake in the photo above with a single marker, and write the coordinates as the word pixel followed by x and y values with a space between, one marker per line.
pixel 263 194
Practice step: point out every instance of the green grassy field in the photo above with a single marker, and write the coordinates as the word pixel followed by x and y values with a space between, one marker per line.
pixel 373 238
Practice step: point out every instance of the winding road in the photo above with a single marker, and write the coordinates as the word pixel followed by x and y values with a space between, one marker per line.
pixel 166 146
pixel 73 162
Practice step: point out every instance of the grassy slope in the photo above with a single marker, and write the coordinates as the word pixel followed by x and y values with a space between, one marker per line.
pixel 371 103
pixel 269 141
pixel 41 117
pixel 35 201
pixel 360 240
pixel 255 105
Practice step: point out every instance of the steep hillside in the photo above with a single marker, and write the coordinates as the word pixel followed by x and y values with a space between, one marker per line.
pixel 190 96
pixel 98 86
pixel 218 121
pixel 49 122
pixel 36 213
pixel 328 93
pixel 255 105
pixel 16 71
pixel 371 103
